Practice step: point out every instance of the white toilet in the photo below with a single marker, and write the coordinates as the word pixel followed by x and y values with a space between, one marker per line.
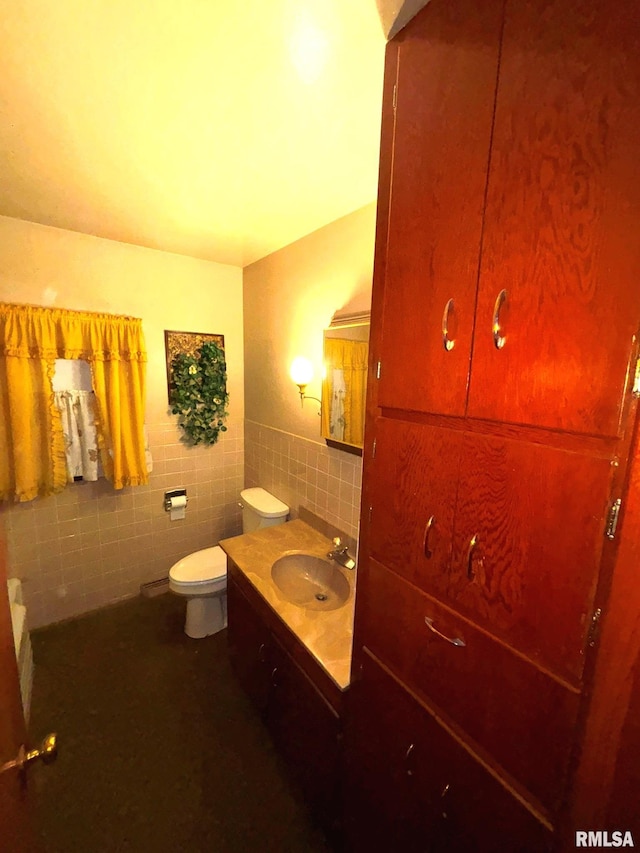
pixel 202 576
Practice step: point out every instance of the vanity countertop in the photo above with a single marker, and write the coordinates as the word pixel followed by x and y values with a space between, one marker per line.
pixel 327 634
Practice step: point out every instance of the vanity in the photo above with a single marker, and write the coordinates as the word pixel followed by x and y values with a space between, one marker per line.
pixel 294 659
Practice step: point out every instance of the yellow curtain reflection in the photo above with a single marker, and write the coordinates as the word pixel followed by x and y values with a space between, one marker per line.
pixel 32 459
pixel 344 389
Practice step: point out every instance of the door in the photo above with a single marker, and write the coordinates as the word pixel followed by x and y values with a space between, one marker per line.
pixel 14 819
pixel 445 91
pixel 559 300
pixel 529 533
pixel 413 491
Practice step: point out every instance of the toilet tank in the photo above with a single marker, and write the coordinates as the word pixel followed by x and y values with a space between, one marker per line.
pixel 261 509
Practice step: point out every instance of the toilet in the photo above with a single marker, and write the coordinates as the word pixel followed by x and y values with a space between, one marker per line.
pixel 201 577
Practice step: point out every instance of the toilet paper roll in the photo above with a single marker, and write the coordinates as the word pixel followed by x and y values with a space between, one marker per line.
pixel 177 509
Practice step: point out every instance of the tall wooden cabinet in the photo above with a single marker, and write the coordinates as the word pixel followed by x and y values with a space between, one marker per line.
pixel 506 310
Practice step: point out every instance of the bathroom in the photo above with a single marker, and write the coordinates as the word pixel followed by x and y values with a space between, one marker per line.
pixel 90 547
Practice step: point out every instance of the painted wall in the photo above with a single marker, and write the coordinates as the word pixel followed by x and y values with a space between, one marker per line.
pixel 289 298
pixel 90 545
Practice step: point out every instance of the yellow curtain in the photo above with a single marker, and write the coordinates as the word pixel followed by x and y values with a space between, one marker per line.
pixel 351 358
pixel 32 461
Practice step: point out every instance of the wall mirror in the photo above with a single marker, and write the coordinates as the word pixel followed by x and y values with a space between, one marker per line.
pixel 346 352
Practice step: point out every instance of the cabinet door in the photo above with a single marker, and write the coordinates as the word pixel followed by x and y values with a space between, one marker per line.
pixel 249 643
pixel 529 531
pixel 446 79
pixel 413 490
pixel 307 732
pixel 415 789
pixel 560 234
pixel 390 804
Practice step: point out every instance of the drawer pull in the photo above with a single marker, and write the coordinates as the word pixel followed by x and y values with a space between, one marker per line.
pixel 406 758
pixel 274 673
pixel 444 793
pixel 455 641
pixel 498 338
pixel 472 547
pixel 427 531
pixel 447 342
pixel 261 655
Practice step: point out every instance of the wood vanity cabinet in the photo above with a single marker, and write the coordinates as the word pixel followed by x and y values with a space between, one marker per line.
pixel 501 411
pixel 300 707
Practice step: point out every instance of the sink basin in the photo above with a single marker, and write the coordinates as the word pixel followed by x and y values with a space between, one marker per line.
pixel 310 581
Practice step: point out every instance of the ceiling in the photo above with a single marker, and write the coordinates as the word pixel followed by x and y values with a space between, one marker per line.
pixel 222 130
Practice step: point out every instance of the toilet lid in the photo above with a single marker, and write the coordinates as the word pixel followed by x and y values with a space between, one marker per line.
pixel 205 565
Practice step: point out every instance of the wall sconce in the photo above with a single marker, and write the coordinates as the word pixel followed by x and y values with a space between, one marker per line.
pixel 301 371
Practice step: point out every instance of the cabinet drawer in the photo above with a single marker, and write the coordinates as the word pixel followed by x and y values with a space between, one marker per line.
pixel 413 787
pixel 516 712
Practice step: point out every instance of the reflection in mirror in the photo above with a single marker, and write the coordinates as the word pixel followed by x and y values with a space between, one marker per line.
pixel 346 352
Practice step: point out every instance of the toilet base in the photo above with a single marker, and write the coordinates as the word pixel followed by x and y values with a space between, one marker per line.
pixel 206 615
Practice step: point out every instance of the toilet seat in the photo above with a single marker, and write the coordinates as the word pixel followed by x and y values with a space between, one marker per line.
pixel 201 573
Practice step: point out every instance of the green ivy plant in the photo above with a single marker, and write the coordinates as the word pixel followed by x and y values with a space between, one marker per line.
pixel 198 393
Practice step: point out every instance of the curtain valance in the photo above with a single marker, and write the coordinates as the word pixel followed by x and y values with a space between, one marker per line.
pixel 32 460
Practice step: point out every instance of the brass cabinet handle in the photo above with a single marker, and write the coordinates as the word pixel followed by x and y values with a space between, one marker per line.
pixel 472 547
pixel 443 795
pixel 455 641
pixel 427 532
pixel 406 758
pixel 447 342
pixel 498 338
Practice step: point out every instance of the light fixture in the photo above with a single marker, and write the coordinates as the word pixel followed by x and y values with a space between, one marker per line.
pixel 301 371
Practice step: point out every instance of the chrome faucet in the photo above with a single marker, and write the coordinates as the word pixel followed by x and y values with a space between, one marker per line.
pixel 340 554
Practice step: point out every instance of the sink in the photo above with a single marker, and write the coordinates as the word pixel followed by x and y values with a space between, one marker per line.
pixel 309 581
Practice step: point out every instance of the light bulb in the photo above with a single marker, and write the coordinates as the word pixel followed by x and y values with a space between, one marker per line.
pixel 301 370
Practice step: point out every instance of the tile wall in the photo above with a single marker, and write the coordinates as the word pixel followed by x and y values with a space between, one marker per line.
pixel 91 546
pixel 305 473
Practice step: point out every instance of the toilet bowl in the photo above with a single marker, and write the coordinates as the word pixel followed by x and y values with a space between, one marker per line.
pixel 201 577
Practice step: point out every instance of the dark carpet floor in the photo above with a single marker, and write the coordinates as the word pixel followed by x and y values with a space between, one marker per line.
pixel 159 749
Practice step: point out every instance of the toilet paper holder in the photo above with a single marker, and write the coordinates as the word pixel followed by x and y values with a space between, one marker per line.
pixel 174 493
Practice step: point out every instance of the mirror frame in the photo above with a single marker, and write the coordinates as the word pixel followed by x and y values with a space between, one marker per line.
pixel 358 326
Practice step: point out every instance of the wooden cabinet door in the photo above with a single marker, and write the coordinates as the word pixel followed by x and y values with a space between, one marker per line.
pixel 413 491
pixel 414 788
pixel 561 221
pixel 249 642
pixel 446 80
pixel 390 804
pixel 307 732
pixel 537 517
pixel 480 813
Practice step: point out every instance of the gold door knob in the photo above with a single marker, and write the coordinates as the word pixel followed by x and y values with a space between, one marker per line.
pixel 47 753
